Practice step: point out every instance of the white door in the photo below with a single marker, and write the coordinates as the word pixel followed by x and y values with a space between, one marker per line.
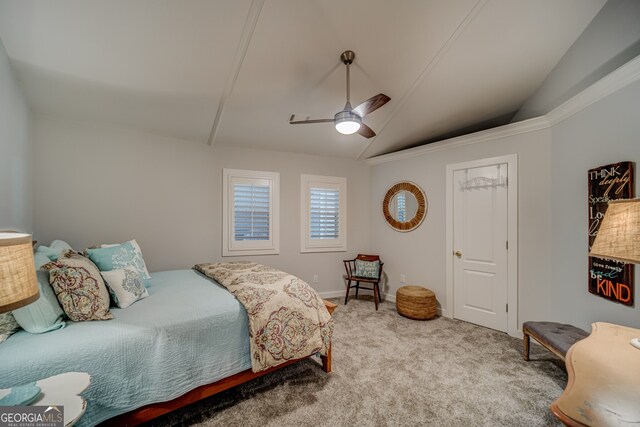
pixel 480 257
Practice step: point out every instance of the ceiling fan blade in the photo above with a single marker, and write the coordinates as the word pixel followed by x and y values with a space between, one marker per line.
pixel 366 131
pixel 301 122
pixel 371 104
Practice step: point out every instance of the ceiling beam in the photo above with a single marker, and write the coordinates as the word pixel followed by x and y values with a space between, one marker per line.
pixel 241 52
pixel 473 12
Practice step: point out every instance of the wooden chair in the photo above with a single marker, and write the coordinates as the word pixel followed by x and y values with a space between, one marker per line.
pixel 350 266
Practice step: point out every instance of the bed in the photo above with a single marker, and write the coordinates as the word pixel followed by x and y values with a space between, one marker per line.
pixel 188 340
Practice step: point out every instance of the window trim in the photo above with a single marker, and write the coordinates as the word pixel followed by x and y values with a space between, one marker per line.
pixel 232 247
pixel 322 245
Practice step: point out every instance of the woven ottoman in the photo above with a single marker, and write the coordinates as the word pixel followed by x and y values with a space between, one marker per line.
pixel 416 302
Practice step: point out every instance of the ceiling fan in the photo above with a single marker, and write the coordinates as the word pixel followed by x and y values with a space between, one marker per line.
pixel 349 120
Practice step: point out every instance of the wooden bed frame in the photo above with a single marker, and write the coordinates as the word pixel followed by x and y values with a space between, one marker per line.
pixel 149 412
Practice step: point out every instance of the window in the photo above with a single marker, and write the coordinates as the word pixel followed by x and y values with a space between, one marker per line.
pixel 324 214
pixel 250 212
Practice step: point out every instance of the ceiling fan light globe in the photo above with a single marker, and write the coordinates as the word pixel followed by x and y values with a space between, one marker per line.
pixel 348 127
pixel 347 122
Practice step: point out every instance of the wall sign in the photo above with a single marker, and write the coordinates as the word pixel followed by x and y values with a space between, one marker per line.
pixel 609 279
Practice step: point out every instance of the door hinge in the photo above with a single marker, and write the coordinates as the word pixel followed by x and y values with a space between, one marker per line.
pixel 507 307
pixel 506 244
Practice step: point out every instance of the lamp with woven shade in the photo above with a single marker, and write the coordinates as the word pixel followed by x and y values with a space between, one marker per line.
pixel 18 282
pixel 618 237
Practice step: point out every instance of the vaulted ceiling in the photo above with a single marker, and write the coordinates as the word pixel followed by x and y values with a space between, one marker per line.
pixel 231 72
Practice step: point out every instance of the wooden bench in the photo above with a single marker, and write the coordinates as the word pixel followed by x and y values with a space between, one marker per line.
pixel 555 337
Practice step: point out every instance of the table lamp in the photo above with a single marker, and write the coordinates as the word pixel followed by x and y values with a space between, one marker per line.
pixel 618 237
pixel 18 282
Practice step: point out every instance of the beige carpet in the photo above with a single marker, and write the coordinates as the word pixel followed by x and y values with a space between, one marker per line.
pixel 393 371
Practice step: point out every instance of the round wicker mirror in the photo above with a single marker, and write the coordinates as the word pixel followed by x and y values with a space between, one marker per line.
pixel 404 206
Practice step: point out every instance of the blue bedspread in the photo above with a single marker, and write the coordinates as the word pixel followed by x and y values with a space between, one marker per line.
pixel 190 331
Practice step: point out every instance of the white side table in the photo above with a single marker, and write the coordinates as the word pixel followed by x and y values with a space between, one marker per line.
pixel 62 390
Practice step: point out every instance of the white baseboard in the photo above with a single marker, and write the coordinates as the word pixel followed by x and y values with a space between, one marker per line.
pixel 340 294
pixel 517 334
pixel 331 294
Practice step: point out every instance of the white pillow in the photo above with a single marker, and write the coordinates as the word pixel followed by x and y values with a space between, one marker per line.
pixel 125 285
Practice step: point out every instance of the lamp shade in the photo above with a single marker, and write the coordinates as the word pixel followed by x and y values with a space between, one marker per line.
pixel 18 282
pixel 618 237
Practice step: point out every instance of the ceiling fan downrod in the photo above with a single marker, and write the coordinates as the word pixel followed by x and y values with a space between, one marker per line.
pixel 347 57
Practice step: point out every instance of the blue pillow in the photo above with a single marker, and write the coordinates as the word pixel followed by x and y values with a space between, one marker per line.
pixel 44 314
pixel 54 250
pixel 118 257
pixel 369 269
pixel 40 259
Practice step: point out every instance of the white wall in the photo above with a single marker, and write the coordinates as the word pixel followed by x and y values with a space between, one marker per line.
pixel 611 40
pixel 606 132
pixel 421 255
pixel 15 153
pixel 96 184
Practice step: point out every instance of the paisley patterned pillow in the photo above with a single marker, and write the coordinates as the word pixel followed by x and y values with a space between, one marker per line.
pixel 126 286
pixel 79 287
pixel 8 326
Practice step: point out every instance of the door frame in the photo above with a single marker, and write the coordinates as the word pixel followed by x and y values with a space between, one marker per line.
pixel 511 160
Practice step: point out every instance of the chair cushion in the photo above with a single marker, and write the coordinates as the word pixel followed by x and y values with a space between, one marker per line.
pixel 557 335
pixel 369 269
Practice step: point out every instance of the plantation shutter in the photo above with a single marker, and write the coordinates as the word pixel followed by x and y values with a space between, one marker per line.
pixel 324 213
pixel 251 212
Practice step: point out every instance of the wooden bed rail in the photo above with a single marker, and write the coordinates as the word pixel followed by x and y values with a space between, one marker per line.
pixel 149 412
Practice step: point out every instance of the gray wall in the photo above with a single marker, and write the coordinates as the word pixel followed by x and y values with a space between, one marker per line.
pixel 420 254
pixel 97 184
pixel 611 39
pixel 553 211
pixel 606 132
pixel 16 153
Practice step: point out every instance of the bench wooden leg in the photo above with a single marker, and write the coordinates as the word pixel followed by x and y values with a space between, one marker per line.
pixel 526 340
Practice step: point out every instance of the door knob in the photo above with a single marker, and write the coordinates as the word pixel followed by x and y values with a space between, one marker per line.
pixel 457 253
